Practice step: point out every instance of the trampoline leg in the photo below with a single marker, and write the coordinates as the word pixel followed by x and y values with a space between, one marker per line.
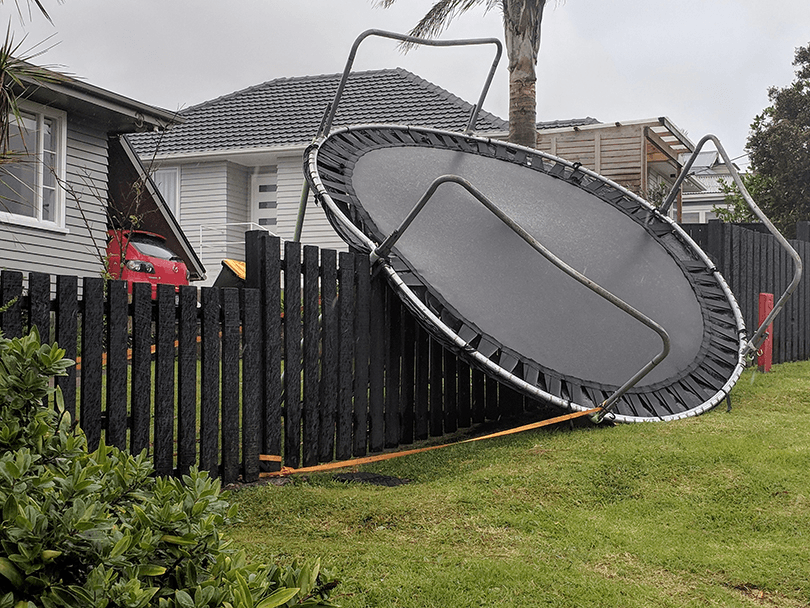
pixel 728 402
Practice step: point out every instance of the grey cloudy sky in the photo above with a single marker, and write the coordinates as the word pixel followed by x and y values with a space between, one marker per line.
pixel 706 64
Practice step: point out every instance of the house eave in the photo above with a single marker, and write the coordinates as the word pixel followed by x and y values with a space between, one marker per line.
pixel 120 114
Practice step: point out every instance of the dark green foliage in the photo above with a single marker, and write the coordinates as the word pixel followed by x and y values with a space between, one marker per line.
pixel 779 149
pixel 98 529
pixel 737 210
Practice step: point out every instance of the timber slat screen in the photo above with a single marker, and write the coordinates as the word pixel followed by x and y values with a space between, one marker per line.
pixel 313 361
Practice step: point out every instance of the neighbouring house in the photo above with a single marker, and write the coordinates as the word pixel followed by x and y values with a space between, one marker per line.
pixel 235 163
pixel 644 156
pixel 708 170
pixel 73 174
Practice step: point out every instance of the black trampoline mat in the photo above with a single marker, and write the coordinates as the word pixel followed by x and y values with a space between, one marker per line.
pixel 492 278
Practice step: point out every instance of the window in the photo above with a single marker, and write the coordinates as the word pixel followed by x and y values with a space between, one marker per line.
pixel 30 185
pixel 168 183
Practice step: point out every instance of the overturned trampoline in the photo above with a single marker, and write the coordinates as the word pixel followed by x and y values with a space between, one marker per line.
pixel 542 274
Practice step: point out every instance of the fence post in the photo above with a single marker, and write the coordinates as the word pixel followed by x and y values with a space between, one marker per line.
pixel 765 355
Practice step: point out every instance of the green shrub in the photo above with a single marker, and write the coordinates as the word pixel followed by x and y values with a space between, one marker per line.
pixel 98 529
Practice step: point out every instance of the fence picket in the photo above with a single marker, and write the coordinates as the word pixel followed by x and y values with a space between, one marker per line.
pixel 292 354
pixel 329 378
pixel 231 343
pixel 92 351
pixel 270 286
pixel 362 355
pixel 346 355
pixel 376 382
pixel 116 409
pixel 67 312
pixel 251 383
pixel 141 391
pixel 187 332
pixel 209 379
pixel 311 356
pixel 392 358
pixel 39 304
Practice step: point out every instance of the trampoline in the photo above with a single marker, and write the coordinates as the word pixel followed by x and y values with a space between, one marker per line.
pixel 543 274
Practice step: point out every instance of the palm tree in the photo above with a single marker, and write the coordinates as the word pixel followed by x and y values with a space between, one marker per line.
pixel 521 25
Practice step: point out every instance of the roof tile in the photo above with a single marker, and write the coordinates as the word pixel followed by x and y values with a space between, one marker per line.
pixel 287 111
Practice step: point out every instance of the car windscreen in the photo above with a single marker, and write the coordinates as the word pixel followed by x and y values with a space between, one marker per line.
pixel 151 246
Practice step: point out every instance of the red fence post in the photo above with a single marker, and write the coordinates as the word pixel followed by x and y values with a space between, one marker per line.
pixel 765 354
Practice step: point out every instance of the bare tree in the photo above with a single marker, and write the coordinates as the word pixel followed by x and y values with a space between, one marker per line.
pixel 521 25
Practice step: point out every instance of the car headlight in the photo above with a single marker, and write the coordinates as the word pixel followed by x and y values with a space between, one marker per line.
pixel 140 266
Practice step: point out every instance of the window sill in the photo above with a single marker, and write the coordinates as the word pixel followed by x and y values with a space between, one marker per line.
pixel 30 222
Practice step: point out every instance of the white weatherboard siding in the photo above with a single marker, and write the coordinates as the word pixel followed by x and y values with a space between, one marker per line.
pixel 317 230
pixel 78 249
pixel 203 210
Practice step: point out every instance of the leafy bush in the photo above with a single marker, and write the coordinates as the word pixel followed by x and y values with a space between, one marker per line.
pixel 98 529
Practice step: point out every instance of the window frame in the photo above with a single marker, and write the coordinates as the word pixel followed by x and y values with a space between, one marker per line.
pixel 59 132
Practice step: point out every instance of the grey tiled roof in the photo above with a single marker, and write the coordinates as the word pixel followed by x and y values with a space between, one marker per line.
pixel 572 122
pixel 287 111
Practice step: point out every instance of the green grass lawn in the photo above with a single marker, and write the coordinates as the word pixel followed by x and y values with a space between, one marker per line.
pixel 709 511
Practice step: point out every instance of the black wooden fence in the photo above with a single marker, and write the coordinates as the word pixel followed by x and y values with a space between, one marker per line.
pixel 314 361
pixel 752 262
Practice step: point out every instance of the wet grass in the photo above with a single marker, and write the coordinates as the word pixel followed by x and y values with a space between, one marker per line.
pixel 709 511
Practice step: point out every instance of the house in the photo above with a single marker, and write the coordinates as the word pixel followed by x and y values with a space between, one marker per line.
pixel 74 172
pixel 708 170
pixel 644 156
pixel 235 163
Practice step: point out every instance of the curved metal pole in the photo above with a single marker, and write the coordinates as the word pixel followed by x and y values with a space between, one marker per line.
pixel 326 124
pixel 385 248
pixel 759 336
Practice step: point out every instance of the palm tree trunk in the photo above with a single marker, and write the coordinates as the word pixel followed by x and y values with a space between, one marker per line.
pixel 522 19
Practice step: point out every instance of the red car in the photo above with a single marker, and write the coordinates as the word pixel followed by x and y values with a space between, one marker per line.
pixel 147 259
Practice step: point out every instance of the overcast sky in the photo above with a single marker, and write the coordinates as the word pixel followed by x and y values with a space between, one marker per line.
pixel 705 64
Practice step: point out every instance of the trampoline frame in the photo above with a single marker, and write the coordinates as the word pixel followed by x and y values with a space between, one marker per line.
pixel 378 252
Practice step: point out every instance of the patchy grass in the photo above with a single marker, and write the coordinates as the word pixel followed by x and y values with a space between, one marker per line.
pixel 709 511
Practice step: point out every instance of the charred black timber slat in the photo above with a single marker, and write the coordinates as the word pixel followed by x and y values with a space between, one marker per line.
pixel 67 312
pixel 421 384
pixel 450 393
pixel 92 350
pixel 231 341
pixel 329 358
pixel 292 354
pixel 478 396
pixel 141 398
pixel 165 334
pixel 270 252
pixel 251 384
pixel 187 331
pixel 492 410
pixel 39 304
pixel 11 299
pixel 378 332
pixel 464 394
pixel 392 369
pixel 346 339
pixel 117 300
pixel 362 354
pixel 436 393
pixel 209 380
pixel 407 393
pixel 312 347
